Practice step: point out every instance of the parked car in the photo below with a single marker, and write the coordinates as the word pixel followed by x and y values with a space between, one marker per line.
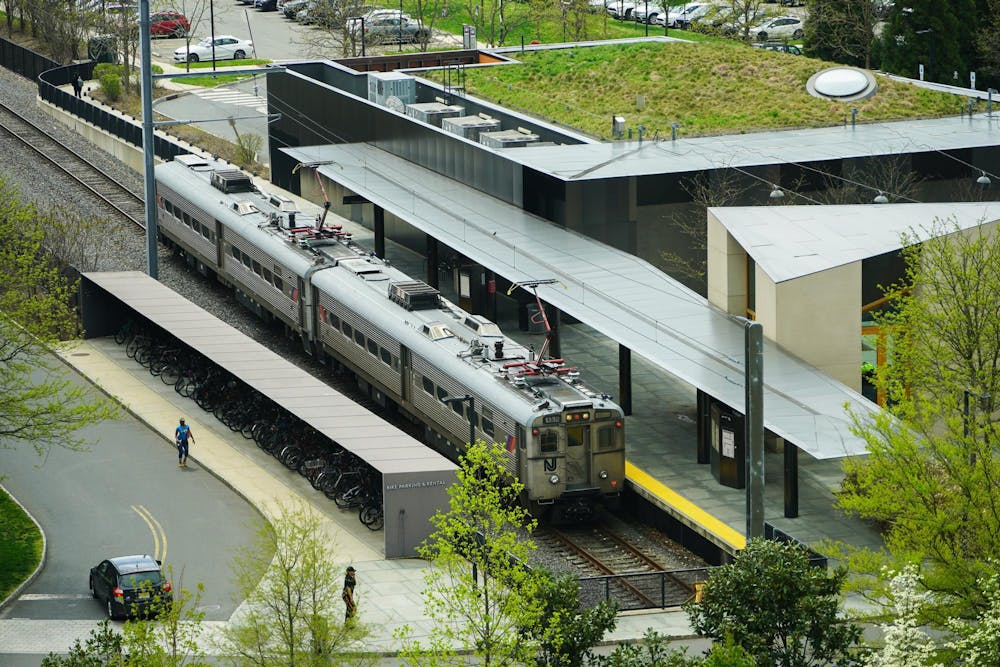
pixel 783 26
pixel 291 8
pixel 685 15
pixel 644 13
pixel 226 47
pixel 621 10
pixel 266 5
pixel 394 29
pixel 168 24
pixel 781 47
pixel 130 586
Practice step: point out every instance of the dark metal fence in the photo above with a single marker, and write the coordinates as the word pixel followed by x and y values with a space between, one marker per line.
pixel 646 590
pixel 50 75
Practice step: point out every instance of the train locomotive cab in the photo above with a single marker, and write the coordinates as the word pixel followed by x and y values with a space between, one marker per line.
pixel 575 460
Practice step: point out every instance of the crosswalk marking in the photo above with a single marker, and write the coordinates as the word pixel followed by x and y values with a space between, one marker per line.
pixel 230 96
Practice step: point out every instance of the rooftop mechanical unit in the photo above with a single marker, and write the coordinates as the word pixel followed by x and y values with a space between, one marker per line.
pixel 232 181
pixel 414 295
pixel 384 86
pixel 470 127
pixel 433 113
pixel 507 138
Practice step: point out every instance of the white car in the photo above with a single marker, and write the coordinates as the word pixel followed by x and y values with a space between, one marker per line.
pixel 644 13
pixel 783 27
pixel 226 47
pixel 683 17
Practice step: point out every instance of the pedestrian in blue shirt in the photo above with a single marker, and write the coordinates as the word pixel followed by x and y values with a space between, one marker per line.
pixel 181 435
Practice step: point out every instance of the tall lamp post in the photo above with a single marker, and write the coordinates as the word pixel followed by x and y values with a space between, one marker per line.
pixel 362 20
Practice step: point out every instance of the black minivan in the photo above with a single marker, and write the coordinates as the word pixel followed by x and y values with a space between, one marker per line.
pixel 130 586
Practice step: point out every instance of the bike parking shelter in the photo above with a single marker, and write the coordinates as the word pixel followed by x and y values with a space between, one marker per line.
pixel 415 478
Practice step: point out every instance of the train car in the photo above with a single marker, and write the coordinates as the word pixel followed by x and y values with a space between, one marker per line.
pixel 409 348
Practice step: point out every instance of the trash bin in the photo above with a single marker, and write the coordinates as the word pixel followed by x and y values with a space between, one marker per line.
pixel 536 322
pixel 101 49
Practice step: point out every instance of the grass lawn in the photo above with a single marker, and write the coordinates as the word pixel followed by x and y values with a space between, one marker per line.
pixel 212 80
pixel 712 88
pixel 20 545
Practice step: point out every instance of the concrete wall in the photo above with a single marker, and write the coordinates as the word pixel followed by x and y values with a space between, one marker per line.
pixel 818 318
pixel 726 273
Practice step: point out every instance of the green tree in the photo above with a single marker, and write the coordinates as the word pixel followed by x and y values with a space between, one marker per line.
pixel 654 651
pixel 931 474
pixel 565 633
pixel 934 33
pixel 103 647
pixel 978 639
pixel 842 31
pixel 169 637
pixel 484 525
pixel 293 612
pixel 42 405
pixel 778 607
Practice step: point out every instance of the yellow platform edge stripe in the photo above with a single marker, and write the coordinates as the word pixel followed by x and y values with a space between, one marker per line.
pixel 685 507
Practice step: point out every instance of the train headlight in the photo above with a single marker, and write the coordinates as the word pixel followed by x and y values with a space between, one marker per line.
pixel 603 474
pixel 554 479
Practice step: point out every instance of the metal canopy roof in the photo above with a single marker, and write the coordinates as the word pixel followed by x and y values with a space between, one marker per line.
pixel 789 242
pixel 620 295
pixel 633 158
pixel 382 445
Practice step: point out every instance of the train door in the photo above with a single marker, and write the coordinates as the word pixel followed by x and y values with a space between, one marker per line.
pixel 577 458
pixel 405 375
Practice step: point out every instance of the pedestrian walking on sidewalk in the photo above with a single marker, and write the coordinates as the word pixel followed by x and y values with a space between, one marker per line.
pixel 77 85
pixel 182 434
pixel 350 581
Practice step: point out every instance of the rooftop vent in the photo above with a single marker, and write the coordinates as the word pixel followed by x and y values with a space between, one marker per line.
pixel 231 181
pixel 414 295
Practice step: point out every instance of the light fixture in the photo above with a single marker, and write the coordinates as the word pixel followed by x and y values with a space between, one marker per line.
pixel 880 198
pixel 776 193
pixel 983 179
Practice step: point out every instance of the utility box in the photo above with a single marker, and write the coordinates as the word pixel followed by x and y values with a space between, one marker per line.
pixel 507 138
pixel 433 113
pixel 470 127
pixel 728 451
pixel 382 86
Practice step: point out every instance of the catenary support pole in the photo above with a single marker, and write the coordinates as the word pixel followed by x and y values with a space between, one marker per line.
pixel 149 181
pixel 754 425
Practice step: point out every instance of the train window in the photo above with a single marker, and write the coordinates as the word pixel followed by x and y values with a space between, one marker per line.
pixel 333 320
pixel 458 406
pixel 428 385
pixel 487 426
pixel 348 331
pixel 279 283
pixel 606 437
pixel 246 259
pixel 372 347
pixel 386 356
pixel 257 268
pixel 549 441
pixel 206 232
pixel 186 219
pixel 574 436
pixel 442 394
pixel 268 276
pixel 395 364
pixel 359 338
pixel 487 413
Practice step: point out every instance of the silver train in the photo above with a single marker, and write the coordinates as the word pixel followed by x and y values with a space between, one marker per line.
pixel 408 347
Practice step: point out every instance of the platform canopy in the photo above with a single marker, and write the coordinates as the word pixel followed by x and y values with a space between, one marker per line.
pixel 624 297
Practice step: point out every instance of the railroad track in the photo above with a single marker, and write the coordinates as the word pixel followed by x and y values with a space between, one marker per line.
pixel 79 169
pixel 628 575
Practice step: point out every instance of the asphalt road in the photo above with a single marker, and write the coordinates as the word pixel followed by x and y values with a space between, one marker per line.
pixel 125 496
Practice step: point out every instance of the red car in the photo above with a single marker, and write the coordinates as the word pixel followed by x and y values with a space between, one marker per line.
pixel 168 24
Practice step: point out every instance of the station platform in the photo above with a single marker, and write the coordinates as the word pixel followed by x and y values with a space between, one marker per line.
pixel 661 439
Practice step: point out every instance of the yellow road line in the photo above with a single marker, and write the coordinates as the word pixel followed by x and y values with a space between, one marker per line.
pixel 159 535
pixel 685 507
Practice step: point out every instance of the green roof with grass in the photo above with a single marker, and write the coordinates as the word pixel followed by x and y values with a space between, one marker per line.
pixel 708 88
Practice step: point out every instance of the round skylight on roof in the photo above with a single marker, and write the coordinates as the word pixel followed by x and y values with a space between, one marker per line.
pixel 842 84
